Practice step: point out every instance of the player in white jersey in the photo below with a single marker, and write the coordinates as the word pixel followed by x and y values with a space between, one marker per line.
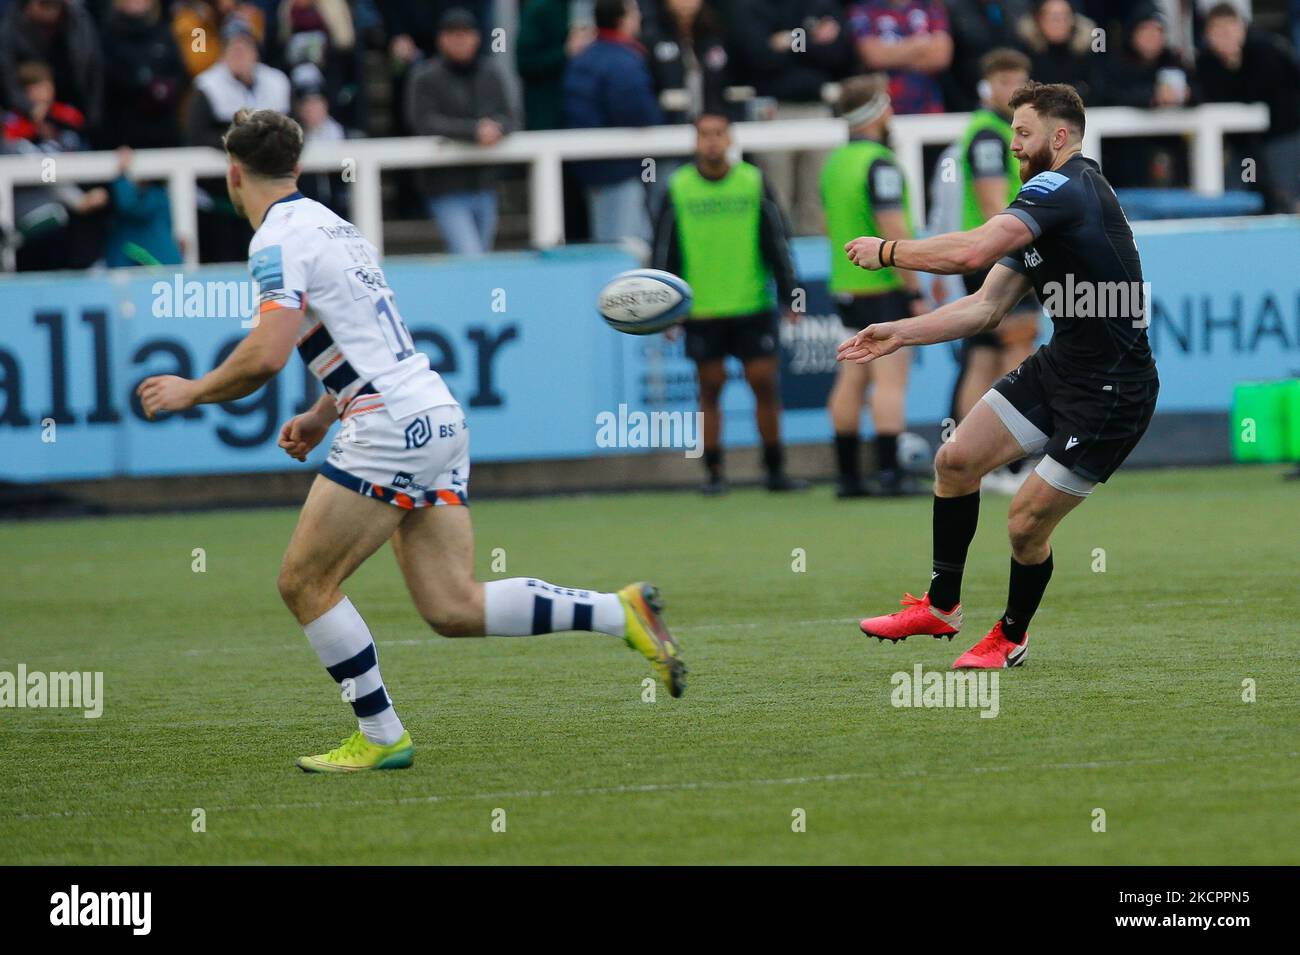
pixel 399 467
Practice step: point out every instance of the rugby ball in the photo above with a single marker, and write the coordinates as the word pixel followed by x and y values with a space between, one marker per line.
pixel 644 301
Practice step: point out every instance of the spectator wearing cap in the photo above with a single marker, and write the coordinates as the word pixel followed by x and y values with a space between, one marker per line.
pixel 608 85
pixel 789 51
pixel 1059 41
pixel 1146 73
pixel 464 97
pixel 311 109
pixel 143 77
pixel 909 40
pixel 977 27
pixel 62 35
pixel 1242 65
pixel 412 30
pixel 238 82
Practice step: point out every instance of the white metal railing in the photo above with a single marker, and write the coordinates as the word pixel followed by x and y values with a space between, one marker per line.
pixel 543 152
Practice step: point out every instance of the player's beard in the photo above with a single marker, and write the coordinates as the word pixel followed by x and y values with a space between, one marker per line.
pixel 1034 163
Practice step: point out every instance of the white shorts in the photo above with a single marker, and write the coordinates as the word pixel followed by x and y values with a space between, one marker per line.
pixel 420 461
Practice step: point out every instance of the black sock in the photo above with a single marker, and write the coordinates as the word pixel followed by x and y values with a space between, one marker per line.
pixel 846 456
pixel 713 463
pixel 773 459
pixel 886 452
pixel 955 520
pixel 1028 581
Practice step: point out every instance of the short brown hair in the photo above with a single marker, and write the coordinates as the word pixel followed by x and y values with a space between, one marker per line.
pixel 1222 10
pixel 34 71
pixel 1057 100
pixel 859 90
pixel 1004 60
pixel 267 143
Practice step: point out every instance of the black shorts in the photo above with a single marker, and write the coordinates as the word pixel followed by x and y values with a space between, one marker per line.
pixel 1086 427
pixel 859 311
pixel 745 337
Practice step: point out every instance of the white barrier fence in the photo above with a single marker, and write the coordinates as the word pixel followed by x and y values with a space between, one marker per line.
pixel 542 152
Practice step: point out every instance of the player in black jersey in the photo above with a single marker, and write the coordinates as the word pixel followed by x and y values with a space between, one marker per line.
pixel 1083 400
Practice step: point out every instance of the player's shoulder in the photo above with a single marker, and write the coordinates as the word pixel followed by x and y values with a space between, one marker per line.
pixel 1045 184
pixel 301 222
pixel 1063 183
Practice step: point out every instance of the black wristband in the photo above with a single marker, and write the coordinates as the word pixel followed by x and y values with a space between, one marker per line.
pixel 892 251
pixel 880 252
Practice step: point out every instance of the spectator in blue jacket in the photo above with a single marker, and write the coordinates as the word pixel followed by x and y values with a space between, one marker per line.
pixel 609 85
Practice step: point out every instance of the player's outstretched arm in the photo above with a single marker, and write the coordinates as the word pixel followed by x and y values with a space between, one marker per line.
pixel 255 361
pixel 953 253
pixel 983 310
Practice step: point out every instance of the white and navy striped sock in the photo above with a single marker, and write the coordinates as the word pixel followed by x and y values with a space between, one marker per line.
pixel 524 606
pixel 342 641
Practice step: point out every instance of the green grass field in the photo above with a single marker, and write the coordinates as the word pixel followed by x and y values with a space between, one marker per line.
pixel 1131 701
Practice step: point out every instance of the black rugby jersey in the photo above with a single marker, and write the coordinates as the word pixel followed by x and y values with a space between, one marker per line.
pixel 1085 268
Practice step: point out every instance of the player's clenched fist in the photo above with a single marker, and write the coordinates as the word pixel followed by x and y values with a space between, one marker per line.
pixel 301 433
pixel 165 393
pixel 864 251
pixel 874 341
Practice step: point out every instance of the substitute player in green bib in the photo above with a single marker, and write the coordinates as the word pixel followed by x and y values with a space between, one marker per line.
pixel 721 229
pixel 863 188
pixel 990 179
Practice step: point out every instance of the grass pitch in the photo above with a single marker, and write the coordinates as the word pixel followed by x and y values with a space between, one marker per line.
pixel 1131 702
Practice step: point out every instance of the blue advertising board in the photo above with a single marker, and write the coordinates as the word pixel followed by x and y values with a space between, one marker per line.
pixel 518 340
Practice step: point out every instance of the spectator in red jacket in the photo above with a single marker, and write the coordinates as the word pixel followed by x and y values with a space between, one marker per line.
pixel 61 225
pixel 62 35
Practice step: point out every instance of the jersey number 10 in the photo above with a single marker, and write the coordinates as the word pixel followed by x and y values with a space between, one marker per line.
pixel 395 331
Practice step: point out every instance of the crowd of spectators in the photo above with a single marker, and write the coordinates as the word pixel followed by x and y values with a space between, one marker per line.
pixel 139 74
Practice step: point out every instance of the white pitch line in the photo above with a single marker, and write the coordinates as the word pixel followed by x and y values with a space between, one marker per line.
pixel 703 786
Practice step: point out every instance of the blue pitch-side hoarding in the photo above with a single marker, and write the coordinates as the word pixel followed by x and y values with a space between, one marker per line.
pixel 518 339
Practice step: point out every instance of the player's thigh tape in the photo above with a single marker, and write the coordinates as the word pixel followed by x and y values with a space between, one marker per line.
pixel 1063 479
pixel 1022 429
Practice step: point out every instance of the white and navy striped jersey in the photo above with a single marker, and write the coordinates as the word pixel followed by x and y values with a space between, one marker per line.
pixel 305 257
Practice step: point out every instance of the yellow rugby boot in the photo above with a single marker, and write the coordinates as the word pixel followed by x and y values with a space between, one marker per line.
pixel 647 632
pixel 357 754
